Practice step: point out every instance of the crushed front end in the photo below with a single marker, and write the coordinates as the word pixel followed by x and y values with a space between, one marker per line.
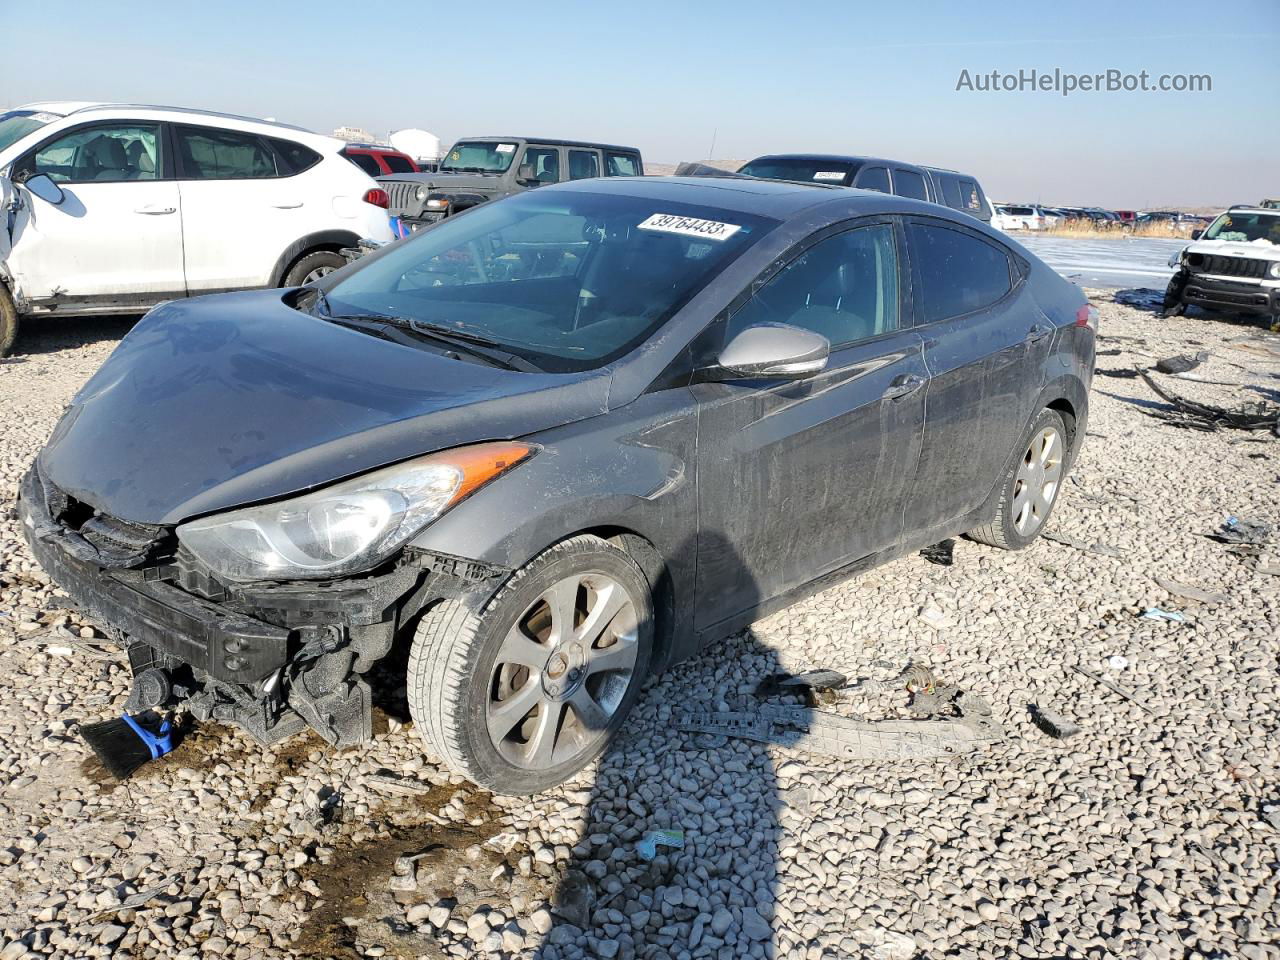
pixel 273 657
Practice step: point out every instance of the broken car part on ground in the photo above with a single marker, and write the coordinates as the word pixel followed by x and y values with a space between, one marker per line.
pixel 516 444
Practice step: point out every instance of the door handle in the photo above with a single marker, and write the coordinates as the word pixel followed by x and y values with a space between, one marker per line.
pixel 155 210
pixel 903 385
pixel 288 205
pixel 1038 332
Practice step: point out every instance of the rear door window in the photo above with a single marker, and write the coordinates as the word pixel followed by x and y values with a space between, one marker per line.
pixel 909 183
pixel 211 154
pixel 583 164
pixel 957 272
pixel 873 178
pixel 622 165
pixel 365 163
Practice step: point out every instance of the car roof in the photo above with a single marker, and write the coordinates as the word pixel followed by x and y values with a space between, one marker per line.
pixel 553 140
pixel 777 199
pixel 69 107
pixel 835 158
pixel 374 147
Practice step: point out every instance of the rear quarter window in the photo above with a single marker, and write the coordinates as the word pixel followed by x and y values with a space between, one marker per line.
pixel 957 272
pixel 622 165
pixel 397 164
pixel 294 157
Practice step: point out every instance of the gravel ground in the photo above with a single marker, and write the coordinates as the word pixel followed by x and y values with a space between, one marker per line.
pixel 1145 835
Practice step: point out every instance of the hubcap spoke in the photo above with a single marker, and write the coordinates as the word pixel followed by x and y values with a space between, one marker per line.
pixel 620 656
pixel 562 601
pixel 542 744
pixel 590 714
pixel 519 647
pixel 504 715
pixel 609 601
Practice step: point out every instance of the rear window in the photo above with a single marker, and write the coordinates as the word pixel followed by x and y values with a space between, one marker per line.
pixel 908 183
pixel 622 165
pixel 804 169
pixel 397 164
pixel 958 272
pixel 294 156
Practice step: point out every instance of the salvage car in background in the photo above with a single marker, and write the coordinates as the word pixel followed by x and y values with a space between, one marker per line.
pixel 947 187
pixel 113 208
pixel 1233 266
pixel 480 169
pixel 378 161
pixel 553 446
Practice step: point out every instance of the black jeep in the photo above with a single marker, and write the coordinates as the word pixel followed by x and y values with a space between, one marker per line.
pixel 488 168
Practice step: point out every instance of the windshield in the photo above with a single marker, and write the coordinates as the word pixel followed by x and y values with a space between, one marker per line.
pixel 1245 227
pixel 836 172
pixel 478 157
pixel 569 281
pixel 16 124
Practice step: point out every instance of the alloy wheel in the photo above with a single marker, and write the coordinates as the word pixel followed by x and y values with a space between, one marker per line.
pixel 562 671
pixel 1036 483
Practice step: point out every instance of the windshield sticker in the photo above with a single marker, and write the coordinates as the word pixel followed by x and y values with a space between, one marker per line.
pixel 690 226
pixel 828 175
pixel 505 148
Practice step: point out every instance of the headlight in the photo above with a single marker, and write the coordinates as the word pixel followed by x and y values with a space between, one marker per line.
pixel 420 194
pixel 1176 258
pixel 1274 270
pixel 438 203
pixel 350 526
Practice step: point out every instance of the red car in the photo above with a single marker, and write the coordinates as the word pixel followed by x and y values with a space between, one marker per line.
pixel 379 161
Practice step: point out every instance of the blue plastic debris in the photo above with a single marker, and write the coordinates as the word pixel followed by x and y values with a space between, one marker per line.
pixel 649 843
pixel 1155 613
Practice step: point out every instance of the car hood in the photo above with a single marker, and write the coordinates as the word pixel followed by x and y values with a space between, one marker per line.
pixel 445 182
pixel 233 399
pixel 1257 250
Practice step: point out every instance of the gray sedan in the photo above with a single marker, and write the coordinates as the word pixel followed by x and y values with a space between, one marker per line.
pixel 550 446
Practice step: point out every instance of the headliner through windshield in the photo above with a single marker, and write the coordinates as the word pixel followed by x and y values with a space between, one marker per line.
pixel 569 281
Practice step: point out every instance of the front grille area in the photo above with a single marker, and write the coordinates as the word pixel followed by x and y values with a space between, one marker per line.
pixel 1225 266
pixel 1224 296
pixel 401 195
pixel 106 540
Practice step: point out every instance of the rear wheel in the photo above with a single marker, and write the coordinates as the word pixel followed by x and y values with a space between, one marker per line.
pixel 312 267
pixel 1030 487
pixel 8 321
pixel 522 695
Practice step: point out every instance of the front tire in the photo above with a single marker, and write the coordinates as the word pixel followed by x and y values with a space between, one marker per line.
pixel 8 321
pixel 312 267
pixel 1030 487
pixel 525 693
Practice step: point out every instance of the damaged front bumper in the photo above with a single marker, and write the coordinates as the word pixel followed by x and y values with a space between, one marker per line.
pixel 272 657
pixel 1219 294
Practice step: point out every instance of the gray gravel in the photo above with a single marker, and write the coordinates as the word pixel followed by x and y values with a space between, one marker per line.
pixel 1144 835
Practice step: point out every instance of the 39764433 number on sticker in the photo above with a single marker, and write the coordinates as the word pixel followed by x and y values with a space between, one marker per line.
pixel 690 226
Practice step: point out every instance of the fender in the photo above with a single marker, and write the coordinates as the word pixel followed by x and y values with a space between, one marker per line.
pixel 335 239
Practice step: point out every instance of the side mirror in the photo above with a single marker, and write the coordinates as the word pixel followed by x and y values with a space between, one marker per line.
pixel 1195 234
pixel 45 189
pixel 775 351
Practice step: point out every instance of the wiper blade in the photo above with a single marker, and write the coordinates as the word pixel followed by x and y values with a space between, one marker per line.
pixel 472 343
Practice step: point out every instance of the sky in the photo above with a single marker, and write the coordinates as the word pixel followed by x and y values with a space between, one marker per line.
pixel 728 80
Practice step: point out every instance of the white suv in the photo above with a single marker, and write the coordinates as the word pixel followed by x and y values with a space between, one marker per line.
pixel 110 208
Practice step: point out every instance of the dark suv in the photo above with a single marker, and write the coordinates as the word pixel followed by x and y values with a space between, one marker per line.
pixel 544 449
pixel 960 191
pixel 486 168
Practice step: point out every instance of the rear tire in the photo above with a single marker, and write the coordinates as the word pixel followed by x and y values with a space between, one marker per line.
pixel 516 698
pixel 1030 487
pixel 8 321
pixel 312 267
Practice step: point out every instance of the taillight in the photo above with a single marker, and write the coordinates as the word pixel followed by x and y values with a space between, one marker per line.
pixel 378 198
pixel 1087 316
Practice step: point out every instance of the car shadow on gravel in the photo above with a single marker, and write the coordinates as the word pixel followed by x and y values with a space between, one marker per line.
pixel 715 896
pixel 50 334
